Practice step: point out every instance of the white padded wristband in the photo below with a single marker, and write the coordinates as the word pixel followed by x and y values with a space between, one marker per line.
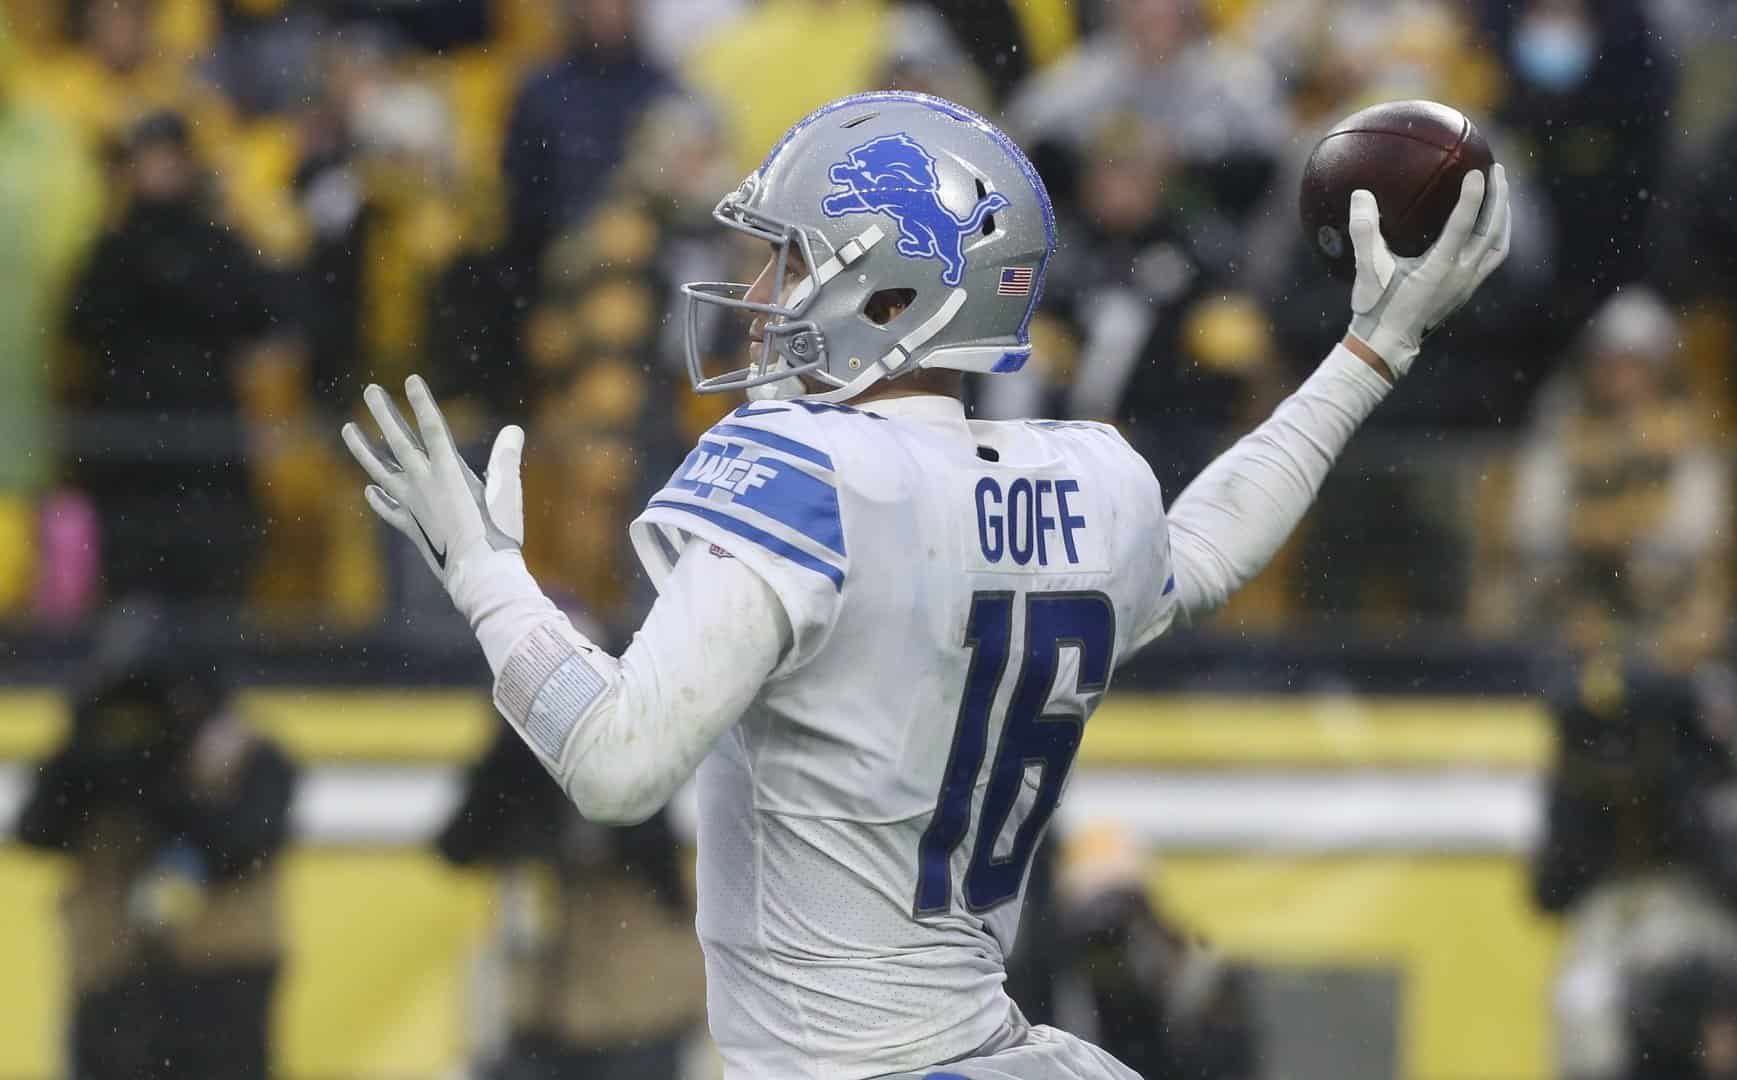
pixel 549 682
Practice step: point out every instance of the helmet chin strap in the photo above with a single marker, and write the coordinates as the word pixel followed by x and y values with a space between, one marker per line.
pixel 897 360
pixel 774 361
pixel 873 374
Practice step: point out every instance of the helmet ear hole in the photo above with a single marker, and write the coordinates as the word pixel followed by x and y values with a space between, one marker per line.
pixel 988 219
pixel 884 306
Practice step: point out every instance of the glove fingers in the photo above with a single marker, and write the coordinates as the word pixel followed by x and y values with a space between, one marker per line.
pixel 391 511
pixel 503 493
pixel 1374 261
pixel 1495 247
pixel 385 475
pixel 1464 217
pixel 1498 254
pixel 505 457
pixel 429 418
pixel 1364 225
pixel 1491 210
pixel 399 438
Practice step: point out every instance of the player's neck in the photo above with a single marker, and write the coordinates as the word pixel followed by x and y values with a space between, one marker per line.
pixel 937 383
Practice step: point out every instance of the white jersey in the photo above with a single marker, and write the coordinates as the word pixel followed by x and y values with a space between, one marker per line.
pixel 958 595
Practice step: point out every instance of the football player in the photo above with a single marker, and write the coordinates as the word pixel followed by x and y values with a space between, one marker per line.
pixel 881 626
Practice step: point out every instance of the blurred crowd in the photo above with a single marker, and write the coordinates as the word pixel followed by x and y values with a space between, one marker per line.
pixel 172 810
pixel 225 217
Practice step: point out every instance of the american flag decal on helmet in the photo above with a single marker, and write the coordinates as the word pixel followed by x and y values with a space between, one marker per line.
pixel 1015 281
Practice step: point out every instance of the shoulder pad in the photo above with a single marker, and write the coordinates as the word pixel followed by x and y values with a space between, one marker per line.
pixel 764 475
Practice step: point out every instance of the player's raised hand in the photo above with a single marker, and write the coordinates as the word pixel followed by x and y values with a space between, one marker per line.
pixel 1396 301
pixel 425 490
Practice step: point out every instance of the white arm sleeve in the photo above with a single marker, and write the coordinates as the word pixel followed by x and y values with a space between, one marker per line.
pixel 621 735
pixel 1232 519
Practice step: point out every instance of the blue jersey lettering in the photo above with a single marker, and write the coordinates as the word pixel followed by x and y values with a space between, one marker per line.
pixel 1021 524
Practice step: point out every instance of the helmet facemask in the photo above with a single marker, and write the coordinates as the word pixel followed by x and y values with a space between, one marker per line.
pixel 793 345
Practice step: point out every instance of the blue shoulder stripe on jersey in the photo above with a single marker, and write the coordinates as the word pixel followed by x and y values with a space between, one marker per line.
pixel 723 475
pixel 759 536
pixel 775 442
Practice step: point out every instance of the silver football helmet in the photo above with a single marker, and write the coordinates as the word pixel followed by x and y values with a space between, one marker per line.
pixel 885 192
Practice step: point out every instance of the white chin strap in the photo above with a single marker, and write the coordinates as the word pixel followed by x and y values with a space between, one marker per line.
pixel 897 360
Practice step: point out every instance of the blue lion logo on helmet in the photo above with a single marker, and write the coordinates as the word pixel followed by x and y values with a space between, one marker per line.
pixel 894 175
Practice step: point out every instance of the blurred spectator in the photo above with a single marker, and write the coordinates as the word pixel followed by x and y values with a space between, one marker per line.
pixel 975 49
pixel 433 25
pixel 1336 56
pixel 673 29
pixel 750 72
pixel 676 170
pixel 172 813
pixel 1589 101
pixel 266 58
pixel 1169 356
pixel 1637 849
pixel 165 311
pixel 590 342
pixel 378 186
pixel 1683 1024
pixel 1219 106
pixel 604 980
pixel 923 55
pixel 1621 505
pixel 1137 985
pixel 116 70
pixel 50 209
pixel 606 390
pixel 318 562
pixel 1003 41
pixel 571 121
pixel 1705 247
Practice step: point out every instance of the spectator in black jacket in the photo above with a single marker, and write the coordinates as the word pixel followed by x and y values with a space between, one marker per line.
pixel 1636 853
pixel 604 980
pixel 164 312
pixel 1138 983
pixel 172 813
pixel 1588 102
pixel 570 124
pixel 1169 352
pixel 1683 1023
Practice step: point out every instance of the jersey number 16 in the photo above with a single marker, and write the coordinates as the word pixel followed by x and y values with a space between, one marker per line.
pixel 1029 737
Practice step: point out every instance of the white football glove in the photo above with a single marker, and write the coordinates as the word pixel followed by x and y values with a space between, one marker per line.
pixel 428 493
pixel 1397 301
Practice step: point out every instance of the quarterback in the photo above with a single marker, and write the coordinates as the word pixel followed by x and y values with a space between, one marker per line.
pixel 882 626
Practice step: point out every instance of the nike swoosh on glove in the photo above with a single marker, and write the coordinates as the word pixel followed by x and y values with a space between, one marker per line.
pixel 424 489
pixel 1397 301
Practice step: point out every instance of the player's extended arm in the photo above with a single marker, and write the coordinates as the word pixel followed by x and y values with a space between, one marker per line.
pixel 620 735
pixel 1232 519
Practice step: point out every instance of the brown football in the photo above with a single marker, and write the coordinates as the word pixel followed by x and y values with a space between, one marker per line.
pixel 1411 155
